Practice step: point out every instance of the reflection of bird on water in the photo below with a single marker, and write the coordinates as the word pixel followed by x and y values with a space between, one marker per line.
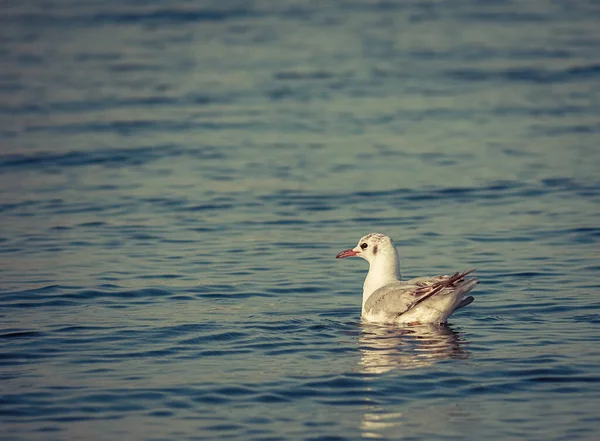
pixel 384 348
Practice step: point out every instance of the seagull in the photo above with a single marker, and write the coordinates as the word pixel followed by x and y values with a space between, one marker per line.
pixel 388 299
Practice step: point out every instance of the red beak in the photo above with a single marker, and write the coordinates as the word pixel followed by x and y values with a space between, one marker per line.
pixel 346 253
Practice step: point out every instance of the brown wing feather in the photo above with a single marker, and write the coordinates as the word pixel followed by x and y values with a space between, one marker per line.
pixel 423 293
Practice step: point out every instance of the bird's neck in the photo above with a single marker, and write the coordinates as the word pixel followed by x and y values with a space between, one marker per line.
pixel 383 270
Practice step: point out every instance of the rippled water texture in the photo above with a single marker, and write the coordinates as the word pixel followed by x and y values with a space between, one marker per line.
pixel 176 178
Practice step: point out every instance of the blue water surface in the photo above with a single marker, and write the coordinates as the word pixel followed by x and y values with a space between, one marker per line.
pixel 176 178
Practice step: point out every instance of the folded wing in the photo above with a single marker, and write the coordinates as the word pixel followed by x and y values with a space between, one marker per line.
pixel 400 297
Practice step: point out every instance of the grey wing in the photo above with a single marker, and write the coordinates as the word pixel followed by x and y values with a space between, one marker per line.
pixel 427 280
pixel 399 297
pixel 395 298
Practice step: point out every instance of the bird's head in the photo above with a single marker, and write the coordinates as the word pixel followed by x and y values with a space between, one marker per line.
pixel 369 247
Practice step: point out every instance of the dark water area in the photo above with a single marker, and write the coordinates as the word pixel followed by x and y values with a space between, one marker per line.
pixel 176 178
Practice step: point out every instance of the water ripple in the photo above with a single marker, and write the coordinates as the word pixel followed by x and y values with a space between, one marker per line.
pixel 176 180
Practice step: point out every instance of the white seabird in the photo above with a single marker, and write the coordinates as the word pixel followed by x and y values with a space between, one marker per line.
pixel 388 299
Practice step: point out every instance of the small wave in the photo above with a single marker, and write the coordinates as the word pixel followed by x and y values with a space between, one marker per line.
pixel 528 75
pixel 105 157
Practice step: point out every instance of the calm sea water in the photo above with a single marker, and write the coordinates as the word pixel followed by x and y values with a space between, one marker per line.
pixel 176 178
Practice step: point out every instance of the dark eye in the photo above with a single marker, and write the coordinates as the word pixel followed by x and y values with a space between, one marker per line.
pixel 363 245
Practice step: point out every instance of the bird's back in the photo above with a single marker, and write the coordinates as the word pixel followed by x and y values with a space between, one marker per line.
pixel 423 300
